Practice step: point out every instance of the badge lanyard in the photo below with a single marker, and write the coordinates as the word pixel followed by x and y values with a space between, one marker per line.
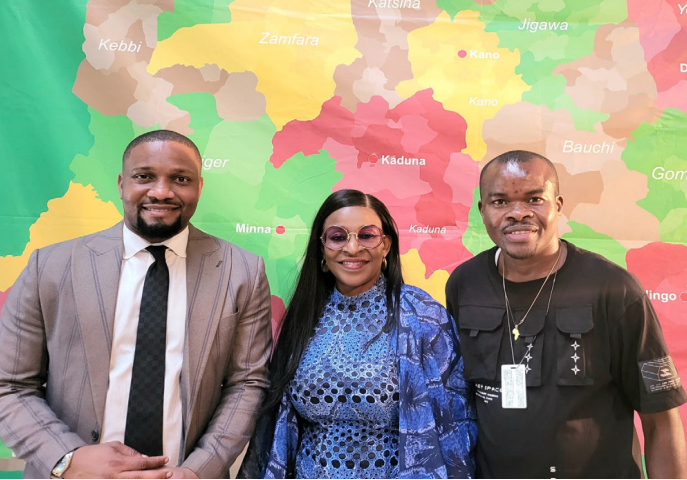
pixel 514 376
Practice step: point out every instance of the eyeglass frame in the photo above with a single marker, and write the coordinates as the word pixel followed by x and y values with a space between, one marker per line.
pixel 381 237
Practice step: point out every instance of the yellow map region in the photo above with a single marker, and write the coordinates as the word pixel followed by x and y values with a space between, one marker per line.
pixel 469 74
pixel 292 46
pixel 414 274
pixel 77 213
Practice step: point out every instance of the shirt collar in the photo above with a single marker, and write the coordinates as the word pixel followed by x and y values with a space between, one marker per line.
pixel 134 244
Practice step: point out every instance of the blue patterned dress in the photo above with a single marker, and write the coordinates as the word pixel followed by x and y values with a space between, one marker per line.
pixel 437 433
pixel 346 395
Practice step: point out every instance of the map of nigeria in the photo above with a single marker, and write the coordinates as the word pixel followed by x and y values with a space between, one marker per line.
pixel 289 100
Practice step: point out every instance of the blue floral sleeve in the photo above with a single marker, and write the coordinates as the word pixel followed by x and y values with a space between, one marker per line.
pixel 437 414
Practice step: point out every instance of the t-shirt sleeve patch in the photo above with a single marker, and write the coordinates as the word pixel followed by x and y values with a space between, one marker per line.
pixel 659 375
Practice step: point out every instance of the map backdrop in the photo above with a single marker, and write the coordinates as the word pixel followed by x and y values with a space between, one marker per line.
pixel 289 100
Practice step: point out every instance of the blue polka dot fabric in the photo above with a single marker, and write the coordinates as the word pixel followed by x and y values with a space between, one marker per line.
pixel 339 417
pixel 346 392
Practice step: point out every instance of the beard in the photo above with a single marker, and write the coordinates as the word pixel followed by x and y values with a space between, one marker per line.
pixel 158 231
pixel 521 255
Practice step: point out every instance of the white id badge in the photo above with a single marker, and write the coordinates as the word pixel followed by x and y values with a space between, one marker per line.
pixel 513 386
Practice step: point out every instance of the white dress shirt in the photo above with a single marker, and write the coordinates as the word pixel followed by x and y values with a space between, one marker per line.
pixel 134 267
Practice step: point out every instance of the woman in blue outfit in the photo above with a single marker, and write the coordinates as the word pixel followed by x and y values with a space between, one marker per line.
pixel 367 375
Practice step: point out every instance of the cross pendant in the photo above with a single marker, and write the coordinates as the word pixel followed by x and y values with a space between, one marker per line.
pixel 516 333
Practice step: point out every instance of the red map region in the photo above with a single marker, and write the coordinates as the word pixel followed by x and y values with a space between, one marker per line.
pixel 407 156
pixel 663 36
pixel 3 296
pixel 657 21
pixel 662 270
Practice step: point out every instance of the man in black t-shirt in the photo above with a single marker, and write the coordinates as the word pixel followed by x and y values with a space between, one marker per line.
pixel 561 345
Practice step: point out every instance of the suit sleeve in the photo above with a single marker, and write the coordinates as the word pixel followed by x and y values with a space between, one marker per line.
pixel 242 393
pixel 27 424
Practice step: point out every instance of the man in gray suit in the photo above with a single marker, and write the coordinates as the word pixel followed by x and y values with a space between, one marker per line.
pixel 139 351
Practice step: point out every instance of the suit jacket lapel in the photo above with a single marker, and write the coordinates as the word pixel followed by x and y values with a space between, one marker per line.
pixel 207 278
pixel 96 268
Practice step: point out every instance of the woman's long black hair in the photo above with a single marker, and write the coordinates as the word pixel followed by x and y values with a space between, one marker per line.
pixel 314 287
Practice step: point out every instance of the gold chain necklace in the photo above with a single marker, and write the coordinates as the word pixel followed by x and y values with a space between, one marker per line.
pixel 515 331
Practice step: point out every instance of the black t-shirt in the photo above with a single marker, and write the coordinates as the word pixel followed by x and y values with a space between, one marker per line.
pixel 596 357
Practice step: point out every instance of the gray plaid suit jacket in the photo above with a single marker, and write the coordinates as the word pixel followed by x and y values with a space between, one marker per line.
pixel 56 338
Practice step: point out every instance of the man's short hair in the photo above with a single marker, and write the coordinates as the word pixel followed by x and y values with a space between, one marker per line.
pixel 160 136
pixel 518 157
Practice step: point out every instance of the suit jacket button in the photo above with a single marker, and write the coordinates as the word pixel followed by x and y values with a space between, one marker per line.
pixel 95 435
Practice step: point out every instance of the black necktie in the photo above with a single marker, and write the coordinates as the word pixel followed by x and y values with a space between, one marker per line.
pixel 146 399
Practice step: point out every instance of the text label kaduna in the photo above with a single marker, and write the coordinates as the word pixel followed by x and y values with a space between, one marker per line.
pixel 426 229
pixel 402 160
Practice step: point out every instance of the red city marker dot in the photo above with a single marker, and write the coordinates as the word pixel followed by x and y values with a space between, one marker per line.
pixel 280 230
pixel 683 296
pixel 462 53
pixel 373 158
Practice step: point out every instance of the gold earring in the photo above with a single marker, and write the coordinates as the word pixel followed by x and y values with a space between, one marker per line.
pixel 384 263
pixel 324 266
